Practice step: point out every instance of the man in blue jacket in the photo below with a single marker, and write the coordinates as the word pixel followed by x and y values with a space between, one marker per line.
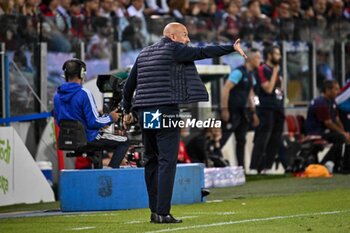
pixel 73 102
pixel 164 76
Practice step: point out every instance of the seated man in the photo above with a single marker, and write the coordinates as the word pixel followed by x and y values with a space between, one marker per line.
pixel 322 119
pixel 343 102
pixel 204 147
pixel 73 102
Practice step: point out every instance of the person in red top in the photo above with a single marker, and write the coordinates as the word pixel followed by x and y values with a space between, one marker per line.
pixel 182 156
pixel 268 134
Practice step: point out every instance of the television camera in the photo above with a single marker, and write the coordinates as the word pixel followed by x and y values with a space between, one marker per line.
pixel 111 85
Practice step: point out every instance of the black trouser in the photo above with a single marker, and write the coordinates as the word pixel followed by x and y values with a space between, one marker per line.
pixel 267 139
pixel 237 124
pixel 160 158
pixel 335 152
pixel 115 145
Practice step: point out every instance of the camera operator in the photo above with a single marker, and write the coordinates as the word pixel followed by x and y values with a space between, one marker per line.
pixel 73 102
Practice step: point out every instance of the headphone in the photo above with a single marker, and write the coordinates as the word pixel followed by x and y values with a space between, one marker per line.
pixel 81 71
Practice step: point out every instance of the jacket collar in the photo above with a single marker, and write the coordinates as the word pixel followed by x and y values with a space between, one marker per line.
pixel 166 39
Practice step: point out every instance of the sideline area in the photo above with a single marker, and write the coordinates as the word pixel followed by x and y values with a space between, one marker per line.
pixel 265 202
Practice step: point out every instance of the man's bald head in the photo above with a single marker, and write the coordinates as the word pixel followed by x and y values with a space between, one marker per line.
pixel 171 28
pixel 176 32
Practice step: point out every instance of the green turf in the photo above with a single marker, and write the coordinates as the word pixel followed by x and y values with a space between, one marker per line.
pixel 28 207
pixel 263 205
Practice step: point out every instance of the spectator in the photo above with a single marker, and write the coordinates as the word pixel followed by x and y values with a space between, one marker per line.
pixel 320 8
pixel 19 7
pixel 122 11
pixel 132 39
pixel 323 119
pixel 204 16
pixel 157 7
pixel 221 4
pixel 136 9
pixel 89 11
pixel 298 18
pixel 90 8
pixel 266 7
pixel 229 28
pixel 254 24
pixel 270 112
pixel 319 20
pixel 239 3
pixel 295 9
pixel 337 24
pixel 27 32
pixel 106 8
pixel 31 7
pixel 237 94
pixel 63 11
pixel 283 22
pixel 77 19
pixel 179 9
pixel 99 46
pixel 206 11
pixel 52 24
pixel 306 4
pixel 6 7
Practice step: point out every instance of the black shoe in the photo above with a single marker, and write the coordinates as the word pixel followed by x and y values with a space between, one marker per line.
pixel 154 217
pixel 167 219
pixel 205 192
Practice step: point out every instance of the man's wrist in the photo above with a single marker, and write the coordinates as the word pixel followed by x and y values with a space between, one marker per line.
pixel 111 118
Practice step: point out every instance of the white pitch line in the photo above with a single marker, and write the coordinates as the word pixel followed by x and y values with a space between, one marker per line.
pixel 212 213
pixel 214 201
pixel 248 220
pixel 186 217
pixel 134 222
pixel 81 228
pixel 226 213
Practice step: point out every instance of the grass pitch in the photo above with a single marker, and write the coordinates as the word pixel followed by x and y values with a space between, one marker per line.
pixel 264 204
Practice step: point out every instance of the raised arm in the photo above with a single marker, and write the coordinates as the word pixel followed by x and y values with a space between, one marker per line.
pixel 268 85
pixel 184 53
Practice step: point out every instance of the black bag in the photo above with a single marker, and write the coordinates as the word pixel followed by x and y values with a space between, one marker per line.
pixel 72 135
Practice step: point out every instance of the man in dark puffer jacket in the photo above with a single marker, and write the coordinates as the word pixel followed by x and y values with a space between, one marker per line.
pixel 164 76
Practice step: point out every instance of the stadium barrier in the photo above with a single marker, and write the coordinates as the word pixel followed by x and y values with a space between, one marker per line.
pixel 125 188
pixel 21 180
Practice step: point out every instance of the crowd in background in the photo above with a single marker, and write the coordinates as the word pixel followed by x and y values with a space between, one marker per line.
pixel 137 23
